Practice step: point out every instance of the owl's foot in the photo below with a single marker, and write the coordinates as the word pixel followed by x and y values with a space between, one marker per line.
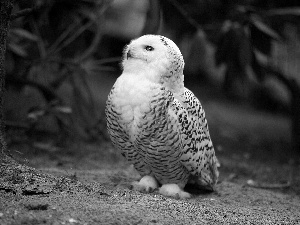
pixel 173 190
pixel 146 184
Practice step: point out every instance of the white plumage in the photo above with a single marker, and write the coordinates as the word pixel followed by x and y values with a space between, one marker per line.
pixel 157 123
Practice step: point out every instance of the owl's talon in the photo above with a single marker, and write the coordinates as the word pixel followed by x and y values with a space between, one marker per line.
pixel 173 190
pixel 146 185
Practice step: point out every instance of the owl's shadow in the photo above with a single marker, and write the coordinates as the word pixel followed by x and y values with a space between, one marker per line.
pixel 196 190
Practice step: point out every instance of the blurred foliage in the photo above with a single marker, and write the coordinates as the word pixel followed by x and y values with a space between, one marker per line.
pixel 247 34
pixel 243 32
pixel 51 49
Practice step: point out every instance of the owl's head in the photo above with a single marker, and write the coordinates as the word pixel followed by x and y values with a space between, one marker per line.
pixel 154 54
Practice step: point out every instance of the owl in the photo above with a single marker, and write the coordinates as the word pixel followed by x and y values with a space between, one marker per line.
pixel 157 124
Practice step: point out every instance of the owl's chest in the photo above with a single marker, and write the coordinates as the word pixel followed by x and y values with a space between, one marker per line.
pixel 134 102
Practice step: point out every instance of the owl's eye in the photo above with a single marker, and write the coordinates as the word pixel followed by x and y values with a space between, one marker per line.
pixel 149 48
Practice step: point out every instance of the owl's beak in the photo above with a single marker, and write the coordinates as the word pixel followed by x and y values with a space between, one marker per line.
pixel 128 55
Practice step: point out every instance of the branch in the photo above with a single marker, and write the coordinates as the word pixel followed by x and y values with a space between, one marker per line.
pixel 153 18
pixel 17 124
pixel 28 11
pixel 47 92
pixel 185 14
pixel 275 72
pixel 24 12
pixel 93 46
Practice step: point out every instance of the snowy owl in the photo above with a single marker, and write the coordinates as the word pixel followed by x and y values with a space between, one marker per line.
pixel 157 124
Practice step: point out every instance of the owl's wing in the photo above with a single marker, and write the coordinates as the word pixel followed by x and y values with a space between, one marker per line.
pixel 198 154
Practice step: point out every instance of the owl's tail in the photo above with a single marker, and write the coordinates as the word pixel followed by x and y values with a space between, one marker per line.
pixel 208 178
pixel 215 164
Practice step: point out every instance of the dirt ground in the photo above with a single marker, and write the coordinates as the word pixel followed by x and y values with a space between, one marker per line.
pixel 89 183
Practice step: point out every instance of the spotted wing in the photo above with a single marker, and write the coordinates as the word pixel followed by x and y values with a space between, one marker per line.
pixel 198 154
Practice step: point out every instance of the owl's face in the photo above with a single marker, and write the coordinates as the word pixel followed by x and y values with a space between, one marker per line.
pixel 153 53
pixel 146 48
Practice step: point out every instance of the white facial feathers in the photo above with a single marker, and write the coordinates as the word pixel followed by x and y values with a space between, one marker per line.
pixel 154 51
pixel 155 58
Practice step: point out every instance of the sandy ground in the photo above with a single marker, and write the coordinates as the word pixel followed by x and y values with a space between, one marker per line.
pixel 103 196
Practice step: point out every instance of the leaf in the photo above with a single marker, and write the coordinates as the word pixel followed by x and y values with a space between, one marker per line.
pixel 153 18
pixel 282 16
pixel 24 34
pixel 261 41
pixel 244 50
pixel 225 44
pixel 221 49
pixel 94 67
pixel 257 68
pixel 264 28
pixel 17 49
pixel 289 11
pixel 35 115
pixel 235 46
pixel 88 13
pixel 64 109
pixel 45 146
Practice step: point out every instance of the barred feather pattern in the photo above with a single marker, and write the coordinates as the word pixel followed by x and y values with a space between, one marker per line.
pixel 198 154
pixel 171 141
